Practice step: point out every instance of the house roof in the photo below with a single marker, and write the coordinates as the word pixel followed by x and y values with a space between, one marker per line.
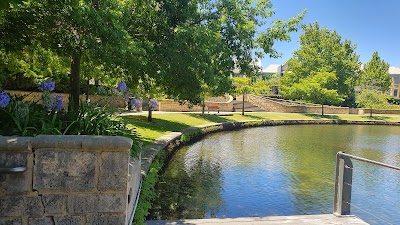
pixel 394 70
pixel 272 68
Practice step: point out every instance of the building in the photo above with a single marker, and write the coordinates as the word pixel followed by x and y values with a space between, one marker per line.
pixel 274 70
pixel 394 73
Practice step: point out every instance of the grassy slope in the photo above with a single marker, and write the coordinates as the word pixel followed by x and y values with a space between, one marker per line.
pixel 168 122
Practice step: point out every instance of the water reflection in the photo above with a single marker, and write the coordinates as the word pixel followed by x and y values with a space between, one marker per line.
pixel 283 170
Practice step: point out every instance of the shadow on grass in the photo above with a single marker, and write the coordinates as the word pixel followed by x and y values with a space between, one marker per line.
pixel 255 117
pixel 318 116
pixel 210 117
pixel 159 125
pixel 375 117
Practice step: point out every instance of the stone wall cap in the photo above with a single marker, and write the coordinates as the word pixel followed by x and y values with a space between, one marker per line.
pixel 15 143
pixel 100 143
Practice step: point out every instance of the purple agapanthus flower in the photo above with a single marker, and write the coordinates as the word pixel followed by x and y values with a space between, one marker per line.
pixel 153 104
pixel 58 103
pixel 54 102
pixel 4 99
pixel 122 86
pixel 135 103
pixel 46 86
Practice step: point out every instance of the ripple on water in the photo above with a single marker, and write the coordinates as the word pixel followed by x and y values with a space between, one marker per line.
pixel 282 170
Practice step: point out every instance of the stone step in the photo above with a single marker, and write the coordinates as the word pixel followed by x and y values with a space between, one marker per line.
pixel 248 107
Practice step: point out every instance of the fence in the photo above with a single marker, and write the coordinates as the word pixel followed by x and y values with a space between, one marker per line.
pixel 344 182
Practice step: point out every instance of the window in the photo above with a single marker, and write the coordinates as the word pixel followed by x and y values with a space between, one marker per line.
pixel 396 80
pixel 395 92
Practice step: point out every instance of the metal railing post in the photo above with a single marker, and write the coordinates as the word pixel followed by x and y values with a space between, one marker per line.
pixel 344 176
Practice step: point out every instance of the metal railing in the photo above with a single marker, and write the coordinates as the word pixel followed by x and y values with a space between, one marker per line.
pixel 344 179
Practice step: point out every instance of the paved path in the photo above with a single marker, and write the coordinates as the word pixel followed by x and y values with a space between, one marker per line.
pixel 271 220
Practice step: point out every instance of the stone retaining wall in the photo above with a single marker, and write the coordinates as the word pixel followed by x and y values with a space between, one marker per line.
pixel 112 101
pixel 270 105
pixel 72 180
pixel 169 105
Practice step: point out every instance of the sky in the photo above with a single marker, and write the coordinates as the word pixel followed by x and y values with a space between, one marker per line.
pixel 370 24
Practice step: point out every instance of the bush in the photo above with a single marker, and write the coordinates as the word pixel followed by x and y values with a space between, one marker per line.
pixel 31 118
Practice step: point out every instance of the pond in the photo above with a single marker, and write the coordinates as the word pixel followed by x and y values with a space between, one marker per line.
pixel 281 170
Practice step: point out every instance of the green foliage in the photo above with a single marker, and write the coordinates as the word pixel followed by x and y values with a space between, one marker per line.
pixel 21 69
pixel 248 85
pixel 84 31
pixel 314 89
pixel 5 4
pixel 375 74
pixel 322 50
pixel 31 119
pixel 190 135
pixel 27 119
pixel 147 194
pixel 371 99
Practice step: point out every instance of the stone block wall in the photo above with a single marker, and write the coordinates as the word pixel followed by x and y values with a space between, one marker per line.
pixel 273 105
pixel 112 101
pixel 173 106
pixel 69 180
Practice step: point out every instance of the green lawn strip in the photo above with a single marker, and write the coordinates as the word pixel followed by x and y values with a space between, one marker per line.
pixel 164 123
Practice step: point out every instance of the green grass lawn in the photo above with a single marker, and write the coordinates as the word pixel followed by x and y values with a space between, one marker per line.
pixel 168 122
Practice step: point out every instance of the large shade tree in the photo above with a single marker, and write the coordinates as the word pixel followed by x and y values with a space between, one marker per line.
pixel 323 50
pixel 194 45
pixel 83 31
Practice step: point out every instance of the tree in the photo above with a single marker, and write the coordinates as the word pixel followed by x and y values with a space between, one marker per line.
pixel 22 69
pixel 197 44
pixel 243 85
pixel 81 30
pixel 371 99
pixel 322 50
pixel 314 89
pixel 5 4
pixel 375 74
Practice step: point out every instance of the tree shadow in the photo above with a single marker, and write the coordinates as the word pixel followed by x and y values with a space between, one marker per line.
pixel 160 125
pixel 255 117
pixel 319 116
pixel 214 118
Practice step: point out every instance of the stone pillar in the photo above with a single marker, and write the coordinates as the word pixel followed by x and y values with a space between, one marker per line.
pixel 69 180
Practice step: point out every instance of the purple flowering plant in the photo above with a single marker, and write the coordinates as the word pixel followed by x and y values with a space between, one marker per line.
pixel 46 86
pixel 121 86
pixel 153 104
pixel 53 102
pixel 135 103
pixel 4 99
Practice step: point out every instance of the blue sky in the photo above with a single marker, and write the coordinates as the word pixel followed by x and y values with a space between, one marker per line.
pixel 371 25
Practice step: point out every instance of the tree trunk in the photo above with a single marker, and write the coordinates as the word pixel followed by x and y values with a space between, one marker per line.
pixel 244 92
pixel 75 81
pixel 370 112
pixel 203 105
pixel 150 116
pixel 322 112
pixel 87 90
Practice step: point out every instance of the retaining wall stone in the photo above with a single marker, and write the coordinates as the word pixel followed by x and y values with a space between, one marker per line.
pixel 69 180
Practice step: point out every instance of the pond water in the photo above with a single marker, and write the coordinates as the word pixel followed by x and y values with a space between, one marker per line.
pixel 281 170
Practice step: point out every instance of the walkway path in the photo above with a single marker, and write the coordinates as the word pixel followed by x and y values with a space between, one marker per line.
pixel 271 220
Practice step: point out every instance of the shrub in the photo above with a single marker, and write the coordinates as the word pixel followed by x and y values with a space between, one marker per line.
pixel 31 118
